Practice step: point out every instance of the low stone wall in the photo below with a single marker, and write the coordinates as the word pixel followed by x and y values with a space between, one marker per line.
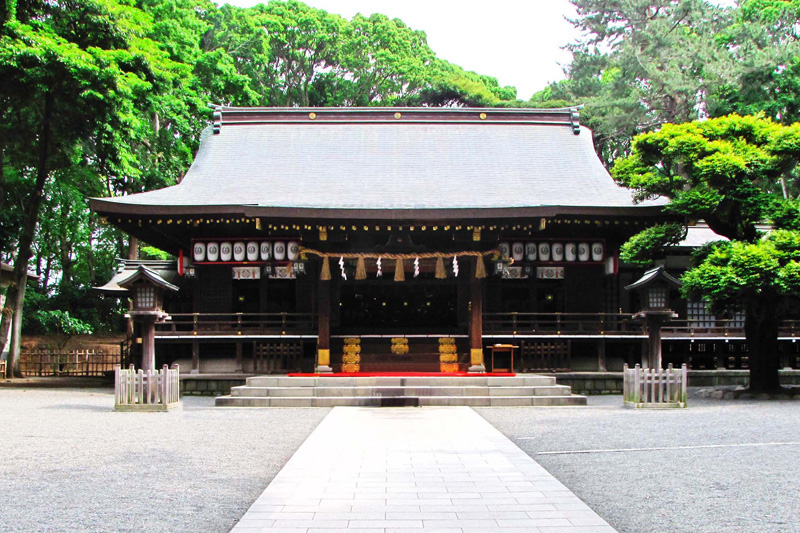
pixel 210 384
pixel 611 382
pixel 591 382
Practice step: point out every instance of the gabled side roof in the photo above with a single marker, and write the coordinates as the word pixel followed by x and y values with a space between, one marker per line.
pixel 390 163
pixel 145 273
pixel 652 275
pixel 166 271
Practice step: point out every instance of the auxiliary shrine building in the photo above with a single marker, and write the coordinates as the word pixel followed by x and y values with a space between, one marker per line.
pixel 297 230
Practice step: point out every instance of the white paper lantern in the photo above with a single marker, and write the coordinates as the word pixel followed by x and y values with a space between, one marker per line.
pixel 239 251
pixel 252 251
pixel 225 251
pixel 530 251
pixel 199 251
pixel 212 251
pixel 544 251
pixel 570 251
pixel 518 251
pixel 583 251
pixel 279 249
pixel 505 250
pixel 266 250
pixel 292 250
pixel 557 251
pixel 597 251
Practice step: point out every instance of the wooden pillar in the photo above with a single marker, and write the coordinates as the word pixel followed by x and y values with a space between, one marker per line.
pixel 654 323
pixel 324 327
pixel 148 343
pixel 601 355
pixel 239 366
pixel 476 324
pixel 195 357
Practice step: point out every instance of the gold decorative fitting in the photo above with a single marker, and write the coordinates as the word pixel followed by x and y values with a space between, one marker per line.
pixel 397 115
pixel 103 220
pixel 483 116
pixel 312 116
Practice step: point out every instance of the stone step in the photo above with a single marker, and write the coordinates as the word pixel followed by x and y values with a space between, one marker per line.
pixel 400 401
pixel 396 381
pixel 396 391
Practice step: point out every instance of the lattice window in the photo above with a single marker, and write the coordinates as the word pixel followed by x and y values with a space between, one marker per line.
pixel 698 315
pixel 737 319
pixel 146 297
pixel 657 297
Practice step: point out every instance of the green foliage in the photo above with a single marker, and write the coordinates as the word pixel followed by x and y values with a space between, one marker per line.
pixel 57 321
pixel 150 252
pixel 723 170
pixel 652 243
pixel 644 63
pixel 764 41
pixel 641 64
pixel 786 214
pixel 735 272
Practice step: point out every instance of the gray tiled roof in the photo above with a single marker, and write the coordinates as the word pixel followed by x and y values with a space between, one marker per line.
pixel 420 165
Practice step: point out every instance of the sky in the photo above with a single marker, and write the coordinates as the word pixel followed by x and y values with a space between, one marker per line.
pixel 516 41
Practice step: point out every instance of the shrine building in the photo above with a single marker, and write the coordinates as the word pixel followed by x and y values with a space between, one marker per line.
pixel 295 229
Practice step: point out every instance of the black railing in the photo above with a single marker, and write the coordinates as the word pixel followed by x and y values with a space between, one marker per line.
pixel 548 324
pixel 561 324
pixel 235 323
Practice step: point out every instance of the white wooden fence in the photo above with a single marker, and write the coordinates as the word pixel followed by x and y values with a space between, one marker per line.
pixel 654 387
pixel 152 390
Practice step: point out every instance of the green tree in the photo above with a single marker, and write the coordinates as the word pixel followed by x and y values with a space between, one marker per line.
pixel 643 63
pixel 765 44
pixel 72 73
pixel 725 171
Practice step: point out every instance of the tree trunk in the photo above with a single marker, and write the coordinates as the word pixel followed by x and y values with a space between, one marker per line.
pixel 761 331
pixel 16 292
pixel 133 253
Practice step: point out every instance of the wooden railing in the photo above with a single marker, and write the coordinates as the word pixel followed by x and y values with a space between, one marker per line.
pixel 615 324
pixel 150 390
pixel 2 369
pixel 789 328
pixel 654 387
pixel 561 323
pixel 67 362
pixel 221 323
pixel 718 327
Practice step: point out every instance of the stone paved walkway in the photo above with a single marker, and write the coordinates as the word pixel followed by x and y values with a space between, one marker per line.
pixel 442 469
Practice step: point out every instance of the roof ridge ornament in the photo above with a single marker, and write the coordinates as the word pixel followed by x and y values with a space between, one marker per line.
pixel 575 117
pixel 217 119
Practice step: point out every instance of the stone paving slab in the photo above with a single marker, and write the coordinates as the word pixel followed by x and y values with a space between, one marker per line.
pixel 437 469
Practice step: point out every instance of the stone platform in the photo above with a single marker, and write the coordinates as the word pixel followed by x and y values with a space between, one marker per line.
pixel 477 391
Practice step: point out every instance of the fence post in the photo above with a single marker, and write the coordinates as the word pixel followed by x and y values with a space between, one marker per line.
pixel 177 383
pixel 625 383
pixel 669 382
pixel 684 380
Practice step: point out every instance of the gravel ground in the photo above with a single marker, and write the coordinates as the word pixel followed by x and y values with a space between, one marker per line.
pixel 732 487
pixel 70 463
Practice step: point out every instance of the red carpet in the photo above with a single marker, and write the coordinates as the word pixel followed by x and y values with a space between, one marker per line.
pixel 400 374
